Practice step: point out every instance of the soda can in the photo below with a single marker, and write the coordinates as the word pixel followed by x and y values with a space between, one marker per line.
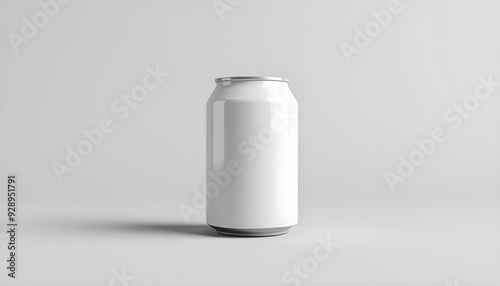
pixel 252 156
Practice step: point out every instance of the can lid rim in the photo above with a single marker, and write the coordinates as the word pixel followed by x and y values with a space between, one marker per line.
pixel 250 78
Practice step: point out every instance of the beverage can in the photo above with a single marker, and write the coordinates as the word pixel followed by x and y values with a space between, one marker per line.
pixel 252 156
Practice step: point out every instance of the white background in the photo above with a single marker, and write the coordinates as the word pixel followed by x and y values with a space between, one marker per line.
pixel 119 209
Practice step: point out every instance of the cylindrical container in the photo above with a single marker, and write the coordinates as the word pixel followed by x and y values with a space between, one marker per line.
pixel 252 156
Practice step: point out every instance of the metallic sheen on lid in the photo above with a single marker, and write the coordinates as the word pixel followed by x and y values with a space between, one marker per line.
pixel 250 78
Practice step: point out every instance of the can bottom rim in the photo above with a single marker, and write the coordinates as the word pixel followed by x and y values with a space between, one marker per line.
pixel 251 232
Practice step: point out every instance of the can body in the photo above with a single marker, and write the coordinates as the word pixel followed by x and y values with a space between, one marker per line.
pixel 252 157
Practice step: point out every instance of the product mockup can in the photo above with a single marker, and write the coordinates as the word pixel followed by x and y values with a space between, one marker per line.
pixel 252 156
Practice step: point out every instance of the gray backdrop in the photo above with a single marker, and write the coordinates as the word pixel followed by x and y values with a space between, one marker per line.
pixel 367 91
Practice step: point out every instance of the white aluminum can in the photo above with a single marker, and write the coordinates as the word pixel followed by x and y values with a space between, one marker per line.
pixel 252 156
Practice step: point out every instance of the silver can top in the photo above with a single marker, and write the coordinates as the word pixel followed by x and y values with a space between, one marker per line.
pixel 250 78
